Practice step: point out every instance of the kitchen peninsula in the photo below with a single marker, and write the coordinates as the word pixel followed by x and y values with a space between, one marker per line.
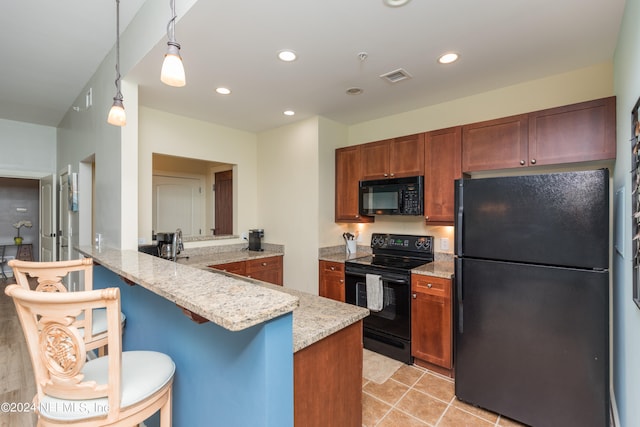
pixel 247 352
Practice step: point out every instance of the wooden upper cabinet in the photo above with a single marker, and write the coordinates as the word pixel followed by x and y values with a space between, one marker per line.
pixel 348 176
pixel 393 158
pixel 442 154
pixel 574 133
pixel 374 161
pixel 495 144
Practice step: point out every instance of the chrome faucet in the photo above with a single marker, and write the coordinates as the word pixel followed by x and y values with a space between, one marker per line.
pixel 176 245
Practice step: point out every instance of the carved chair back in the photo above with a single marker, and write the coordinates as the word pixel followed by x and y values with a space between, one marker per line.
pixel 57 349
pixel 50 277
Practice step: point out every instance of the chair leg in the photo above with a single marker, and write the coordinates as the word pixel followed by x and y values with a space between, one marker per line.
pixel 165 411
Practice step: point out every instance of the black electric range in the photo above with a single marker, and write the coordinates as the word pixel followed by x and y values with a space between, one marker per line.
pixel 387 330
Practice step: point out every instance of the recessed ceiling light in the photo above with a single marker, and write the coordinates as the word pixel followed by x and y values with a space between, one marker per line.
pixel 223 91
pixel 289 113
pixel 395 3
pixel 287 55
pixel 448 58
pixel 354 91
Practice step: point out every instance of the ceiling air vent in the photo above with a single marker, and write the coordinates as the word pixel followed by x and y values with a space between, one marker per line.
pixel 396 76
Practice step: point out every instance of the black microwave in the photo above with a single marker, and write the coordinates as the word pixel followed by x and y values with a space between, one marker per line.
pixel 396 196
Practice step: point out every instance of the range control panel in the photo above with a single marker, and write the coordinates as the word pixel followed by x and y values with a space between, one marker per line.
pixel 402 242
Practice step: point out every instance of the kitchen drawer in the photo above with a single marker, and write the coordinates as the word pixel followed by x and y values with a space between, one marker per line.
pixel 232 267
pixel 431 285
pixel 331 267
pixel 266 269
pixel 261 264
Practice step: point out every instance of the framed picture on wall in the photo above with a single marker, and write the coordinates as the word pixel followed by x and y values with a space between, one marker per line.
pixel 635 200
pixel 73 192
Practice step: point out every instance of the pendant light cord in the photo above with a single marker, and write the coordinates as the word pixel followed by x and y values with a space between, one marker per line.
pixel 171 26
pixel 119 92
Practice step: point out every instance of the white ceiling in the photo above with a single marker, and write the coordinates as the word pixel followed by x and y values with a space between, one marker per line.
pixel 54 48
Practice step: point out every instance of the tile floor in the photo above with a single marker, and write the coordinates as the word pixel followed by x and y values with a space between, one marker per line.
pixel 414 396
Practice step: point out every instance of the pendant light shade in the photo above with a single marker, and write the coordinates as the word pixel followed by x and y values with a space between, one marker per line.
pixel 117 116
pixel 172 72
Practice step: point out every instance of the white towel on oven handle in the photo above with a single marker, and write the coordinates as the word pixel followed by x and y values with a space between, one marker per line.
pixel 375 292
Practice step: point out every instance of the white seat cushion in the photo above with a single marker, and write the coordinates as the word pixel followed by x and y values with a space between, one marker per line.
pixel 99 321
pixel 143 373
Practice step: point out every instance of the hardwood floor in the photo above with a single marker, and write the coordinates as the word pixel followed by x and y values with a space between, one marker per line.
pixel 17 385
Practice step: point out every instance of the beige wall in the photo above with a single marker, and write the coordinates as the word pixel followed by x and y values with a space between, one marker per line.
pixel 568 88
pixel 288 198
pixel 166 133
pixel 561 89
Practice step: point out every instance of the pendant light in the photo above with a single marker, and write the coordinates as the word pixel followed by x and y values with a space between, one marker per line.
pixel 172 72
pixel 117 116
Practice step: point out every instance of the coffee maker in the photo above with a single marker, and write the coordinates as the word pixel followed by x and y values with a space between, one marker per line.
pixel 169 244
pixel 255 239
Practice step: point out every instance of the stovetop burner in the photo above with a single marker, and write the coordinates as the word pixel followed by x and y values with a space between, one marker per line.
pixel 390 261
pixel 397 252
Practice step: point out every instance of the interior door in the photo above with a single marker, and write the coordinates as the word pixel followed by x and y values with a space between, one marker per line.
pixel 177 203
pixel 64 229
pixel 48 219
pixel 224 203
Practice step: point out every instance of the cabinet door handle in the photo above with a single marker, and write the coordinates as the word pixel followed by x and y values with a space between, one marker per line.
pixel 522 162
pixel 264 264
pixel 414 296
pixel 341 281
pixel 392 175
pixel 386 175
pixel 429 285
pixel 533 161
pixel 426 218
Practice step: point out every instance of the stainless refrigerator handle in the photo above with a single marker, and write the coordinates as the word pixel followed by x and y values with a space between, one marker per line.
pixel 459 296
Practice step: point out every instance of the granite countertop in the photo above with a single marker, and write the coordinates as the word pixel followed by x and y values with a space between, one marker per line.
pixel 438 268
pixel 201 260
pixel 231 301
pixel 224 300
pixel 442 266
pixel 315 317
pixel 342 256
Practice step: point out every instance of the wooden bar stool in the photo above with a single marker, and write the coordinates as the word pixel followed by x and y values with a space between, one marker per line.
pixel 51 277
pixel 121 389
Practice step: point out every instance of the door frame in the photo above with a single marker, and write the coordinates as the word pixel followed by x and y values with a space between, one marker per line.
pixel 64 242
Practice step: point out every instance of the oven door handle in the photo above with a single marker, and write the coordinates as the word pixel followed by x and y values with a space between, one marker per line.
pixel 384 279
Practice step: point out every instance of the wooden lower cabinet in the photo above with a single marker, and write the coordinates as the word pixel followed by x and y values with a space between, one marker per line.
pixel 232 267
pixel 267 269
pixel 327 381
pixel 332 280
pixel 431 323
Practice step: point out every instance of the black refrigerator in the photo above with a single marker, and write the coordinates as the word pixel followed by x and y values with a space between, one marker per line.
pixel 531 310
